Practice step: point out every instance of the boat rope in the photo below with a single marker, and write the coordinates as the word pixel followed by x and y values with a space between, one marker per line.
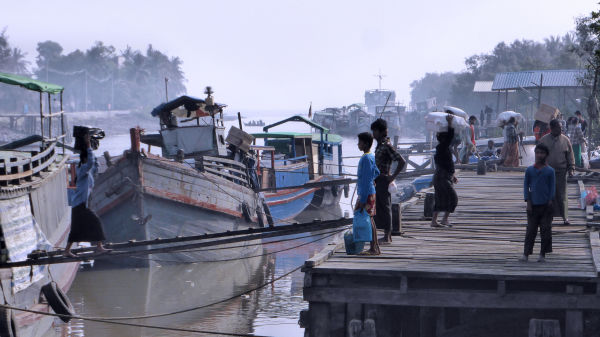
pixel 158 327
pixel 115 320
pixel 331 233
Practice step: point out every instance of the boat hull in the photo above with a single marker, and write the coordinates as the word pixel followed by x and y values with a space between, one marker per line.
pixel 144 199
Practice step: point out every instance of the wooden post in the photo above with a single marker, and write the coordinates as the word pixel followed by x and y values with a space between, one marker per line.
pixel 135 139
pixel 62 123
pixel 240 120
pixel 428 206
pixel 318 319
pixel 396 218
pixel 540 90
pixel 544 327
pixel 574 318
pixel 427 321
pixel 49 118
pixel 42 118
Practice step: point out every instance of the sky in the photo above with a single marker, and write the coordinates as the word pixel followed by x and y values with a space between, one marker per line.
pixel 278 55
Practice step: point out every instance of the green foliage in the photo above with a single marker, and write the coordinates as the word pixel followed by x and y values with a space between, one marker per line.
pixel 552 53
pixel 127 80
pixel 433 85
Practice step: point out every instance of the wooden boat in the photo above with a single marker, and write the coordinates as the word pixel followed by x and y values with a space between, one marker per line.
pixel 197 186
pixel 34 215
pixel 300 158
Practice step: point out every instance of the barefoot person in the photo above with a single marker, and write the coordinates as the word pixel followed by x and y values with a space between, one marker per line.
pixel 539 187
pixel 446 198
pixel 367 172
pixel 85 224
pixel 385 154
pixel 562 160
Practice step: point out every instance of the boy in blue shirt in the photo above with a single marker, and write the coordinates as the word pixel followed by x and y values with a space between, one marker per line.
pixel 538 189
pixel 367 172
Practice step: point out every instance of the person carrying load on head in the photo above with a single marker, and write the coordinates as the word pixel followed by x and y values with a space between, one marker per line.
pixel 444 179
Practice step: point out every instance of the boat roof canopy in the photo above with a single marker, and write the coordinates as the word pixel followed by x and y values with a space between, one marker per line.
pixel 282 134
pixel 190 103
pixel 316 137
pixel 30 84
pixel 297 118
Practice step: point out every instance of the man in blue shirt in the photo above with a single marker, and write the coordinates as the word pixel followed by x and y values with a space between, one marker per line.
pixel 539 189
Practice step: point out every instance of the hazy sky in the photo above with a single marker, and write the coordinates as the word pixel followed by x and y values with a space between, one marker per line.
pixel 281 55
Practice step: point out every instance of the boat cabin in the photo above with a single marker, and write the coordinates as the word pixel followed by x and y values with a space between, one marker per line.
pixel 189 127
pixel 321 149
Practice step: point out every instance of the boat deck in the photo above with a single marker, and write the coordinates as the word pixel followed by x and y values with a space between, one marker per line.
pixel 473 264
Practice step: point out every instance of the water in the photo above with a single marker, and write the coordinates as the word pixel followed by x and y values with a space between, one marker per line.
pixel 273 310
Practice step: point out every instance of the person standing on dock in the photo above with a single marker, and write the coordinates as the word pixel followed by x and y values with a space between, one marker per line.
pixel 562 160
pixel 577 139
pixel 367 172
pixel 539 190
pixel 385 154
pixel 511 143
pixel 85 224
pixel 444 179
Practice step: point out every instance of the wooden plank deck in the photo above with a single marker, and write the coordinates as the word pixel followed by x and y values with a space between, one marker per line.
pixel 485 241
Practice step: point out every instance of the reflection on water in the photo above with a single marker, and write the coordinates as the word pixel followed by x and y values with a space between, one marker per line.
pixel 103 291
pixel 271 310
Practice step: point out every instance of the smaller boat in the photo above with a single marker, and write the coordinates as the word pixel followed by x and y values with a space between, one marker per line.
pixel 259 122
pixel 297 159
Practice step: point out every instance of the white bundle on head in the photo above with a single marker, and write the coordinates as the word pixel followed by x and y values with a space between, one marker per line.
pixel 436 122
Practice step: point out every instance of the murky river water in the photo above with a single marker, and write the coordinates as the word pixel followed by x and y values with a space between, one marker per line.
pixel 103 291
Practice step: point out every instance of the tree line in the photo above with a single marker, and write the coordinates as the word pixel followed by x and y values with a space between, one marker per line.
pixel 98 78
pixel 578 49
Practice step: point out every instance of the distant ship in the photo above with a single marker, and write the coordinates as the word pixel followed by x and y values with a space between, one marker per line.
pixel 357 117
pixel 255 123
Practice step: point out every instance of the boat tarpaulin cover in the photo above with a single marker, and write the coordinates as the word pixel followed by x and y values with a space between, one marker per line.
pixel 30 84
pixel 22 235
pixel 190 104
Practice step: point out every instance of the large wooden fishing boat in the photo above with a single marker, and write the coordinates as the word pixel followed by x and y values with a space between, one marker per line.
pixel 34 215
pixel 198 185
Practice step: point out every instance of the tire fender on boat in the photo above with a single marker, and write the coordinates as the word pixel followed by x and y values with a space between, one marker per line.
pixel 246 212
pixel 268 214
pixel 7 323
pixel 58 301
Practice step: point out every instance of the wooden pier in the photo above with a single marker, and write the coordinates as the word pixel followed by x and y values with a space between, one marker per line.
pixel 437 281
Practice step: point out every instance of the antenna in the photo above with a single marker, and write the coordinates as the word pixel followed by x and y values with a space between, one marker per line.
pixel 380 76
pixel 385 106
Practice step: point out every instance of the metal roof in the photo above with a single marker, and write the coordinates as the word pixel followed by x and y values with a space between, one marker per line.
pixel 483 86
pixel 530 79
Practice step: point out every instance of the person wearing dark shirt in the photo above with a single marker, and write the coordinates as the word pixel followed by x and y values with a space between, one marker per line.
pixel 582 121
pixel 539 188
pixel 385 154
pixel 446 198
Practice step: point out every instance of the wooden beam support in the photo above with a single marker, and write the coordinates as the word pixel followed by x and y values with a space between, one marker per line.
pixel 458 298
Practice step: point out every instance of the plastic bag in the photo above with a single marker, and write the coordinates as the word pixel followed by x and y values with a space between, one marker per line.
pixel 392 188
pixel 436 122
pixel 457 111
pixel 591 195
pixel 352 248
pixel 506 115
pixel 361 226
